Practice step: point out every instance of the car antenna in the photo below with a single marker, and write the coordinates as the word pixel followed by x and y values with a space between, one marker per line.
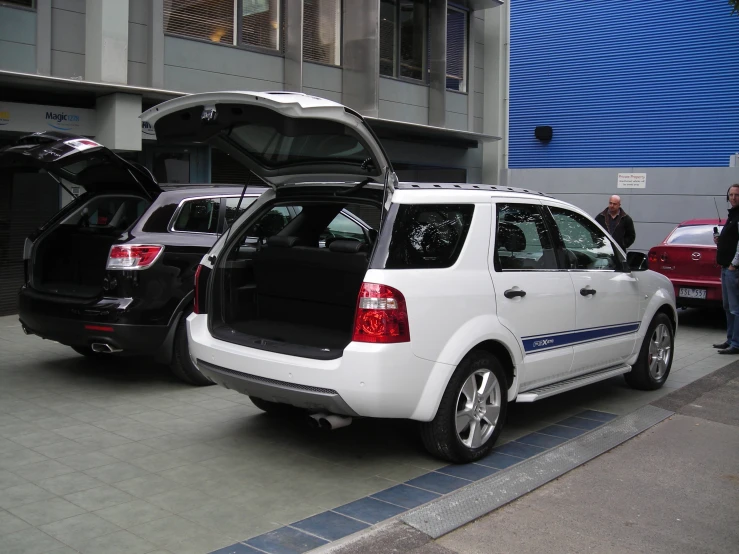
pixel 718 213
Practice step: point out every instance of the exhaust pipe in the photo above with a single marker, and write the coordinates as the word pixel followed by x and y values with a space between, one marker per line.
pixel 26 330
pixel 104 348
pixel 329 422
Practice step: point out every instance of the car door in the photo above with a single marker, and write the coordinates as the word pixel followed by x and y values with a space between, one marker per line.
pixel 606 294
pixel 535 299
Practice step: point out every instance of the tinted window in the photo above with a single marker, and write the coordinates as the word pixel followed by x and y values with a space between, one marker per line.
pixel 586 247
pixel 276 147
pixel 198 216
pixel 112 212
pixel 270 223
pixel 343 228
pixel 522 242
pixel 693 234
pixel 428 235
pixel 231 208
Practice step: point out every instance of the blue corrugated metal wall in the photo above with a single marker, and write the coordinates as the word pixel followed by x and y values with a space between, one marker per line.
pixel 624 83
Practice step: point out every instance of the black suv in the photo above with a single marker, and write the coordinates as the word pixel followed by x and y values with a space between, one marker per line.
pixel 113 271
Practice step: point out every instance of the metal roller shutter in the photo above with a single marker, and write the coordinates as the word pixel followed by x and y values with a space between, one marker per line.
pixel 26 202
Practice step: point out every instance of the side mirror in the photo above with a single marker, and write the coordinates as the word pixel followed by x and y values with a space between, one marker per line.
pixel 637 261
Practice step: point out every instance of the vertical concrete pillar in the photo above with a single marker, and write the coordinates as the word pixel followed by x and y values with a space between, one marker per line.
pixel 156 44
pixel 43 37
pixel 495 111
pixel 118 123
pixel 106 43
pixel 294 46
pixel 437 63
pixel 360 78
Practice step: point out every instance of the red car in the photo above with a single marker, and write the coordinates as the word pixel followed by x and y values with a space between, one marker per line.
pixel 688 258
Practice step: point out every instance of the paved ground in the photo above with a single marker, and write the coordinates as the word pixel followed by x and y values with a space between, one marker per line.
pixel 120 457
pixel 674 488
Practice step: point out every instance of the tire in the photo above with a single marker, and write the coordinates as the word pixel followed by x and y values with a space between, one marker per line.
pixel 181 365
pixel 655 357
pixel 274 408
pixel 88 352
pixel 441 436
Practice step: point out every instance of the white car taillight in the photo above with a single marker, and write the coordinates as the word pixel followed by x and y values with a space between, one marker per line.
pixel 381 316
pixel 133 256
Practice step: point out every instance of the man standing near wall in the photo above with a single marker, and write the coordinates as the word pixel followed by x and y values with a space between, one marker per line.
pixel 727 257
pixel 617 222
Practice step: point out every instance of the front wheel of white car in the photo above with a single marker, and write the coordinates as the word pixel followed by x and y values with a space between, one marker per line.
pixel 655 357
pixel 472 411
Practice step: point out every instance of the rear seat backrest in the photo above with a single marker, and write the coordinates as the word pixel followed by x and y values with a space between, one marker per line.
pixel 283 269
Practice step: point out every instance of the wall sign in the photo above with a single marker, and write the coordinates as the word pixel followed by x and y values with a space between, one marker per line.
pixel 632 180
pixel 33 118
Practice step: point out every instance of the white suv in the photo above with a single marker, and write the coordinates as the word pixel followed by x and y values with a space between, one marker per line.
pixel 469 297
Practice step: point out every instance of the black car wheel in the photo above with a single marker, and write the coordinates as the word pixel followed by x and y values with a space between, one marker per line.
pixel 655 357
pixel 182 365
pixel 472 411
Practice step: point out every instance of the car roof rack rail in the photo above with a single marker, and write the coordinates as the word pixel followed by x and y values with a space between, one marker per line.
pixel 469 186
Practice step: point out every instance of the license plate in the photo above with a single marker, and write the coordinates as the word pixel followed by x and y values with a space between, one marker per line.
pixel 692 293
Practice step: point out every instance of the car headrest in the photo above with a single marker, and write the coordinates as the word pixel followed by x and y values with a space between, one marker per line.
pixel 347 246
pixel 511 238
pixel 282 241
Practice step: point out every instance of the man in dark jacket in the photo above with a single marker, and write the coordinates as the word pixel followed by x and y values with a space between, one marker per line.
pixel 618 223
pixel 727 256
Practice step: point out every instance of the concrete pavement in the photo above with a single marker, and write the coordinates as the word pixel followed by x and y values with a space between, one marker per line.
pixel 673 488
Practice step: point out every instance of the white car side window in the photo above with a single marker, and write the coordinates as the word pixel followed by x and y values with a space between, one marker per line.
pixel 586 247
pixel 522 241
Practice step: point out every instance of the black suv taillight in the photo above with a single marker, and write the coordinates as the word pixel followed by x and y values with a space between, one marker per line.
pixel 201 282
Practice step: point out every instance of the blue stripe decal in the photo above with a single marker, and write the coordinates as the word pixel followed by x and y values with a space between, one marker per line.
pixel 559 340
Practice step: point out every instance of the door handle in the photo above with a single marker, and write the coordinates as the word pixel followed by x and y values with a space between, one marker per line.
pixel 587 291
pixel 513 293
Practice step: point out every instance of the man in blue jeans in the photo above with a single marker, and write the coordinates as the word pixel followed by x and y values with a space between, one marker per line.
pixel 727 256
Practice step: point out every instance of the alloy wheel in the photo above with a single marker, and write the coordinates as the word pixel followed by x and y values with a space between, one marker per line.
pixel 660 351
pixel 478 408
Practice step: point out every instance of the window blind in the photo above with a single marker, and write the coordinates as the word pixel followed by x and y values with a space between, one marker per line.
pixel 456 50
pixel 204 19
pixel 260 23
pixel 322 31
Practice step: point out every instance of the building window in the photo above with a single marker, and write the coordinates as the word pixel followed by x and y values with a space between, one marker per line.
pixel 260 23
pixel 456 50
pixel 216 21
pixel 322 31
pixel 24 3
pixel 404 38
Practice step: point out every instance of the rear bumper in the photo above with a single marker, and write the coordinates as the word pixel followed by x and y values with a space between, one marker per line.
pixel 78 323
pixel 712 288
pixel 368 380
pixel 311 398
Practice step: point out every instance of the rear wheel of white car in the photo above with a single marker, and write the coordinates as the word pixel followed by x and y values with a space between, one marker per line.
pixel 182 365
pixel 472 411
pixel 655 357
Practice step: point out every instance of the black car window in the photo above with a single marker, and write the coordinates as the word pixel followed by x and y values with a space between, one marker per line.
pixel 522 241
pixel 198 216
pixel 585 245
pixel 232 203
pixel 428 235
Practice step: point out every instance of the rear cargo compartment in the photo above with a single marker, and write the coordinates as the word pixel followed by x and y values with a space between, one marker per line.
pixel 296 294
pixel 293 288
pixel 70 259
